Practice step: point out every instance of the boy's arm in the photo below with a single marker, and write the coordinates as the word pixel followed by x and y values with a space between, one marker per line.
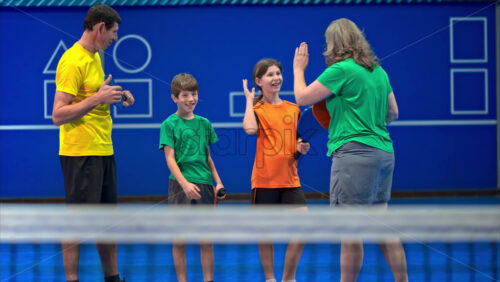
pixel 215 175
pixel 191 190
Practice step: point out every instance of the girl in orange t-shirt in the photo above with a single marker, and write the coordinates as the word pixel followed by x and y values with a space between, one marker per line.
pixel 274 175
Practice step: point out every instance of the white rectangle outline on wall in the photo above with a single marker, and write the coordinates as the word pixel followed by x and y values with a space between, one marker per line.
pixel 46 114
pixel 452 92
pixel 485 33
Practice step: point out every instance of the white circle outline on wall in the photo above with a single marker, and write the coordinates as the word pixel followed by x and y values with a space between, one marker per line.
pixel 138 37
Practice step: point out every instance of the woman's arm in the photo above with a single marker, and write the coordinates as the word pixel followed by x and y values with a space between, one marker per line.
pixel 392 109
pixel 306 95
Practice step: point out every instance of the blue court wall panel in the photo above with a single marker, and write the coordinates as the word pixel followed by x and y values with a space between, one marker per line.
pixel 219 45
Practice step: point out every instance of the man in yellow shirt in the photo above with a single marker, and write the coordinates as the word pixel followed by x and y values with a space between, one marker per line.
pixel 82 110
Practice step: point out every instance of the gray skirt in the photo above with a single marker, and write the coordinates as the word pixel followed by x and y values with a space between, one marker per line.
pixel 361 175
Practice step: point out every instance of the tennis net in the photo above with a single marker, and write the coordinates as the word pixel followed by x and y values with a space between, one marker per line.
pixel 452 243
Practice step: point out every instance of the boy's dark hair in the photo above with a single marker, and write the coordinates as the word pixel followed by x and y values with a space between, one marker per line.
pixel 101 13
pixel 183 82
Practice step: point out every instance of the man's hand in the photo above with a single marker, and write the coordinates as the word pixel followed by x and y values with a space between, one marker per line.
pixel 109 94
pixel 128 98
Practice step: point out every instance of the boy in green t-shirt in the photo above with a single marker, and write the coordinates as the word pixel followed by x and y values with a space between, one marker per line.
pixel 185 138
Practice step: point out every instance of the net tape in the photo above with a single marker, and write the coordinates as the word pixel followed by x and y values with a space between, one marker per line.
pixel 163 224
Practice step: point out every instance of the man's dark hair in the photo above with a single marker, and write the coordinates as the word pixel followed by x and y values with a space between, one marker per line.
pixel 101 13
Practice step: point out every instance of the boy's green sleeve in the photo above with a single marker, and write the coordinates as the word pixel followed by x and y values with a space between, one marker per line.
pixel 166 135
pixel 213 136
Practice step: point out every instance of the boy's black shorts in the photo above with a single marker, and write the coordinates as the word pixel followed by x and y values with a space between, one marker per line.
pixel 274 196
pixel 89 179
pixel 176 195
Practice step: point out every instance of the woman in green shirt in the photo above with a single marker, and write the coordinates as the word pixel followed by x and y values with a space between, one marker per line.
pixel 361 103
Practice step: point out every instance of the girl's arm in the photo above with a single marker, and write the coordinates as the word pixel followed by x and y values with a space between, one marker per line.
pixel 249 121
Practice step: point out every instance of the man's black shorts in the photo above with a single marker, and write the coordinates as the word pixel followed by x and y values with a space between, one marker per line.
pixel 89 179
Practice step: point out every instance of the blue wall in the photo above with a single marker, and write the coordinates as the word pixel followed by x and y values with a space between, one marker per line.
pixel 219 45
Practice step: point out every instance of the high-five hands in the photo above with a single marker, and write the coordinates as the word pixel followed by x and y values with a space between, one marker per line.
pixel 301 58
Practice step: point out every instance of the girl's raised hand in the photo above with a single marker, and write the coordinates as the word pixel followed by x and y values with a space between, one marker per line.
pixel 248 94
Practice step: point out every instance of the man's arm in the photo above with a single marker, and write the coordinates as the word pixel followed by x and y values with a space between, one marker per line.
pixel 64 111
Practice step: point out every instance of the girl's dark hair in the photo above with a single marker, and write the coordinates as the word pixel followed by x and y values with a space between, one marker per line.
pixel 259 70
